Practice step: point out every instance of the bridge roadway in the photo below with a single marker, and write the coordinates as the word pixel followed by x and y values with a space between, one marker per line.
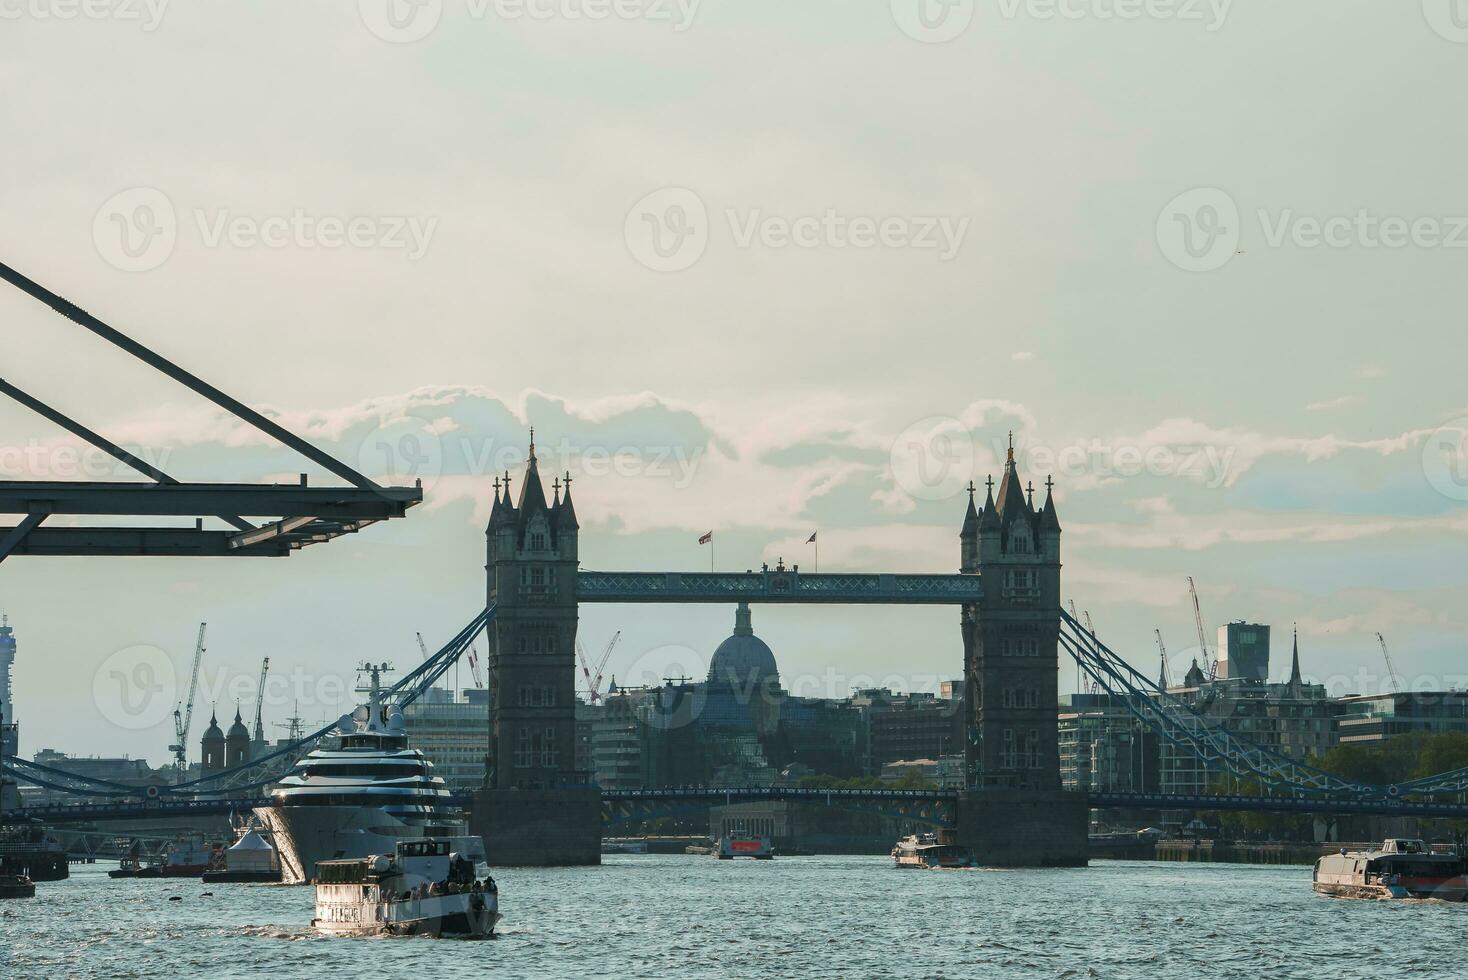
pixel 934 805
pixel 777 584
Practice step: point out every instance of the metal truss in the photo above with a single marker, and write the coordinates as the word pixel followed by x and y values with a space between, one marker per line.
pixel 1174 720
pixel 297 515
pixel 777 585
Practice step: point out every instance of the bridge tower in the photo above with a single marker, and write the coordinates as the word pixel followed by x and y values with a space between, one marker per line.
pixel 1011 692
pixel 535 809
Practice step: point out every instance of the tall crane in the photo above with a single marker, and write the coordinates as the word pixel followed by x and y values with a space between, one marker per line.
pixel 260 702
pixel 184 718
pixel 1163 680
pixel 593 684
pixel 1209 664
pixel 1092 687
pixel 1391 670
pixel 474 666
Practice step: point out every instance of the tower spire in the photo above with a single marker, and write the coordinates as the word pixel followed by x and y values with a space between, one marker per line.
pixel 1297 683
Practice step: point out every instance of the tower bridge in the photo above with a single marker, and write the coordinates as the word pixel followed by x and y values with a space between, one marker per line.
pixel 538 809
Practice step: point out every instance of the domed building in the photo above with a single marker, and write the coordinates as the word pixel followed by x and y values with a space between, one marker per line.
pixel 237 742
pixel 744 661
pixel 212 746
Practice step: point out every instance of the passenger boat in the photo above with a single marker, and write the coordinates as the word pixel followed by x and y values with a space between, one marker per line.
pixel 745 846
pixel 1400 869
pixel 17 886
pixel 929 851
pixel 421 889
pixel 359 792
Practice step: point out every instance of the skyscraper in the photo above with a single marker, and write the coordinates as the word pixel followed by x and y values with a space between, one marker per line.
pixel 10 732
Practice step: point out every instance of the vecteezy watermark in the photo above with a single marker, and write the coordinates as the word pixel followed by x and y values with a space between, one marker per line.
pixel 933 21
pixel 933 459
pixel 1201 230
pixel 1449 18
pixel 135 688
pixel 936 458
pixel 669 230
pixel 147 14
pixel 41 461
pixel 137 230
pixel 1445 459
pixel 408 449
pixel 407 21
pixel 937 21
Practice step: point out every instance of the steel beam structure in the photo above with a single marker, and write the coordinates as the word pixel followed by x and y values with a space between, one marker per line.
pixel 777 585
pixel 298 515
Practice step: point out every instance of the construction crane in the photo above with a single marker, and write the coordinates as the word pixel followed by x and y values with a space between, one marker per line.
pixel 1209 663
pixel 593 684
pixel 474 666
pixel 1163 680
pixel 260 702
pixel 1391 671
pixel 1092 687
pixel 184 718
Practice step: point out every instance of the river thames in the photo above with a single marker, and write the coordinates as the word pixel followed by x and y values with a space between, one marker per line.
pixel 651 916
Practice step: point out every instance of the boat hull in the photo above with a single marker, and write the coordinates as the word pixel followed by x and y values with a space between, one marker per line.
pixel 306 835
pixel 439 916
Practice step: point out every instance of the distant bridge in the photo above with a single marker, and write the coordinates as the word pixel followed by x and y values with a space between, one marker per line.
pixel 779 584
pixel 934 807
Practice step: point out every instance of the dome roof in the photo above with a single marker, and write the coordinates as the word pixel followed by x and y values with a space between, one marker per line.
pixel 213 732
pixel 743 660
pixel 238 729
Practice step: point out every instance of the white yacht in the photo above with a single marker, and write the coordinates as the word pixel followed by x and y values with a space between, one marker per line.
pixel 359 793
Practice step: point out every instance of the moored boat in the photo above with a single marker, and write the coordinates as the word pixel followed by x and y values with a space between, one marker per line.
pixel 421 889
pixel 17 886
pixel 740 845
pixel 252 858
pixel 1402 868
pixel 931 851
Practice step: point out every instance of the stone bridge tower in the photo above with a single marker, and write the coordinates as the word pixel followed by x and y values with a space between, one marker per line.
pixel 535 809
pixel 1011 691
pixel 531 568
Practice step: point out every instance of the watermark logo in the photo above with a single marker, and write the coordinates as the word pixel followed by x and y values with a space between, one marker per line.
pixel 400 21
pixel 147 14
pixel 402 451
pixel 668 230
pixel 933 21
pixel 1449 18
pixel 135 688
pixel 1199 230
pixel 933 459
pixel 1445 459
pixel 136 230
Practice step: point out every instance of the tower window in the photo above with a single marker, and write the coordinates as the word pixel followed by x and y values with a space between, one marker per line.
pixel 537 541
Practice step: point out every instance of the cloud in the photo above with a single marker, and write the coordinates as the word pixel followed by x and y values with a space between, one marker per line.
pixel 1331 404
pixel 1023 355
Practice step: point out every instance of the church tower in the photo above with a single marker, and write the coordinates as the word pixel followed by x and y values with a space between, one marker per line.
pixel 1011 645
pixel 212 746
pixel 531 567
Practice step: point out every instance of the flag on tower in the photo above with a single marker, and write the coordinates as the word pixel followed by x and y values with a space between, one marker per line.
pixel 707 538
pixel 812 538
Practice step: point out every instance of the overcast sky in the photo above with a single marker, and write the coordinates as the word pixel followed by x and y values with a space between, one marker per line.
pixel 760 267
